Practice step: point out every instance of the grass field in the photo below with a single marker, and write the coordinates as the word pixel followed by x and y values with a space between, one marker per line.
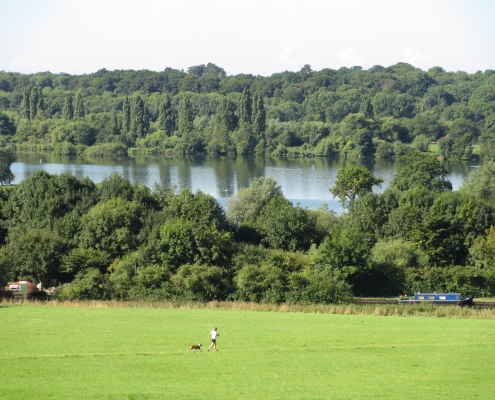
pixel 142 353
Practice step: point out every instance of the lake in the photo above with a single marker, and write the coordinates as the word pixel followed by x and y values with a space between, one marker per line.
pixel 304 180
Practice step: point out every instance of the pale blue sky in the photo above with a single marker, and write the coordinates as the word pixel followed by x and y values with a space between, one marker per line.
pixel 255 36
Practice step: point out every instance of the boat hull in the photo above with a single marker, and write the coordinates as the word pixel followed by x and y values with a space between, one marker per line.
pixel 462 303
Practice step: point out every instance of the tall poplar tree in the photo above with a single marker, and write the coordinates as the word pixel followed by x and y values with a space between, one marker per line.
pixel 68 111
pixel 245 107
pixel 166 116
pixel 79 110
pixel 126 116
pixel 26 104
pixel 140 122
pixel 33 103
pixel 259 117
pixel 114 124
pixel 185 126
pixel 225 114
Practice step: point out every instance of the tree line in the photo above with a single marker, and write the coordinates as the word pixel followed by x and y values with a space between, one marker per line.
pixel 382 111
pixel 118 240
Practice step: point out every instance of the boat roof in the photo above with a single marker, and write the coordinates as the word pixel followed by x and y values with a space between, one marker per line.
pixel 436 294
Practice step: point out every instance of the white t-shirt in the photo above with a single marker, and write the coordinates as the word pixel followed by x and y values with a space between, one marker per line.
pixel 213 334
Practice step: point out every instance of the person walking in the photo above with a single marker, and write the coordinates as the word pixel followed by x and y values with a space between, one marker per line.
pixel 214 335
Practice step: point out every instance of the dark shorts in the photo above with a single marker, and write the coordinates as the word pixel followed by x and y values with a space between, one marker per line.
pixel 213 340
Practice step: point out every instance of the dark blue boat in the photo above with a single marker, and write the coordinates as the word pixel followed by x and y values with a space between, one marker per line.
pixel 442 299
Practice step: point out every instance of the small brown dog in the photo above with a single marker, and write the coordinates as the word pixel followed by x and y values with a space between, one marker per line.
pixel 195 347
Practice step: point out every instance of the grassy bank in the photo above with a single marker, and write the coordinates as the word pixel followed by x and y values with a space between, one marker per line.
pixel 82 352
pixel 426 310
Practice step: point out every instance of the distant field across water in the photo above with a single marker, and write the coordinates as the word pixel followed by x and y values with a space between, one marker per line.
pixel 143 353
pixel 304 180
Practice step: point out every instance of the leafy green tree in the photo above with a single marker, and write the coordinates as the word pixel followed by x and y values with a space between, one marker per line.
pixel 265 284
pixel 75 132
pixel 7 157
pixel 344 254
pixel 200 283
pixel 451 226
pixel 214 70
pixel 366 108
pixel 38 201
pixel 481 182
pixel 259 117
pixel 126 116
pixel 225 114
pixel 243 139
pixel 80 259
pixel 351 182
pixel 79 110
pixel 115 128
pixel 89 284
pixel 282 226
pixel 482 252
pixel 421 142
pixel 420 168
pixel 140 123
pixel 245 107
pixel 185 125
pixel 245 207
pixel 26 104
pixel 166 116
pixel 68 110
pixel 112 227
pixel 34 101
pixel 199 208
pixel 7 126
pixel 183 242
pixel 35 256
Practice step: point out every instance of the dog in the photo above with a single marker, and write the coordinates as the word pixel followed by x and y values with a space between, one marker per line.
pixel 195 347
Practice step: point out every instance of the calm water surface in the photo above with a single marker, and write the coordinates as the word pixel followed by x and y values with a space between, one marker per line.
pixel 305 181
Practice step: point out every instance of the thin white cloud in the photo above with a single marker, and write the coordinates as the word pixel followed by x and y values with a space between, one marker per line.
pixel 350 59
pixel 287 58
pixel 415 58
pixel 476 66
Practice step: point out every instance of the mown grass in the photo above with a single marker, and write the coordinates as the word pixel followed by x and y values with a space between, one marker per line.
pixel 117 352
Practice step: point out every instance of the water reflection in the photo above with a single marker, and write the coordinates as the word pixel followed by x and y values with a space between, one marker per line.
pixel 222 177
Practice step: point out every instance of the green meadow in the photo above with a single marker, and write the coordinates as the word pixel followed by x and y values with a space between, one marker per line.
pixel 143 353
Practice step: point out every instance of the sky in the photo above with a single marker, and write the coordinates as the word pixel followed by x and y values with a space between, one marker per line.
pixel 258 37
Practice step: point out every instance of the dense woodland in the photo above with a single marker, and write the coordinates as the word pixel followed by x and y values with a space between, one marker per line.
pixel 124 241
pixel 118 240
pixel 349 112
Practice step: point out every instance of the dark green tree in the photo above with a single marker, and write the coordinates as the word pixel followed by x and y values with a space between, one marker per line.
pixel 353 181
pixel 166 116
pixel 126 116
pixel 26 104
pixel 7 157
pixel 259 117
pixel 282 226
pixel 225 115
pixel 420 168
pixel 140 123
pixel 79 110
pixel 7 126
pixel 115 127
pixel 366 108
pixel 185 125
pixel 245 107
pixel 34 101
pixel 68 110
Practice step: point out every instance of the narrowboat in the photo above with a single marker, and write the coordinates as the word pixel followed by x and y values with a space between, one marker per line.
pixel 27 290
pixel 442 299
